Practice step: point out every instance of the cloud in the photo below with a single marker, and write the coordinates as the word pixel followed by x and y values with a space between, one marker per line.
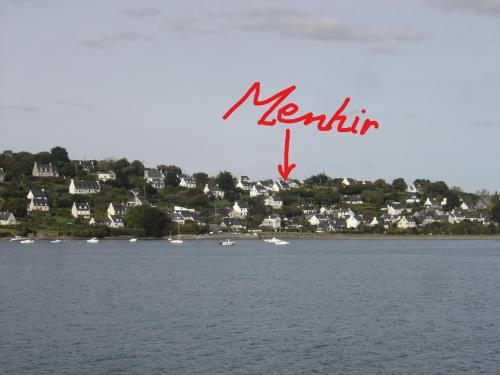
pixel 117 38
pixel 480 6
pixel 73 104
pixel 141 13
pixel 20 108
pixel 295 23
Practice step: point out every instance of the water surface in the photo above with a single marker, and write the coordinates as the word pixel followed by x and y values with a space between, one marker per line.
pixel 326 307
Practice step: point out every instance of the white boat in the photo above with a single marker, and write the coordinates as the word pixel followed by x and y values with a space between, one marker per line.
pixel 57 240
pixel 281 242
pixel 93 240
pixel 227 243
pixel 27 242
pixel 18 238
pixel 133 240
pixel 178 241
pixel 272 240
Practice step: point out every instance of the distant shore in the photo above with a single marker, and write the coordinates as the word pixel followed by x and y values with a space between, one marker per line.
pixel 296 236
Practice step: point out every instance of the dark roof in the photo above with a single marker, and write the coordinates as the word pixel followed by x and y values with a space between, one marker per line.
pixel 82 206
pixel 40 202
pixel 102 220
pixel 4 215
pixel 38 194
pixel 87 185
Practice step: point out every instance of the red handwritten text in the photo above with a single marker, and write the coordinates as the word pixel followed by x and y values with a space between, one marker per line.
pixel 287 113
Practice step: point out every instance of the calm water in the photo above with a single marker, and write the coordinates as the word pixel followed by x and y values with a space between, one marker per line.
pixel 324 307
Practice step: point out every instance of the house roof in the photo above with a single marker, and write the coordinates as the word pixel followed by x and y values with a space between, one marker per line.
pixel 87 185
pixel 82 206
pixel 38 194
pixel 4 215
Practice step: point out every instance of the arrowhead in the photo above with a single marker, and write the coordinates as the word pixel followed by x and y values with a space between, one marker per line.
pixel 285 172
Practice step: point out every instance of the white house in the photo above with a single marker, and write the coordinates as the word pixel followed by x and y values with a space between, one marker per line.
pixel 243 183
pixel 84 187
pixel 137 198
pixel 106 176
pixel 187 182
pixel 280 185
pixel 214 190
pixel 2 175
pixel 80 209
pixel 352 199
pixel 464 206
pixel 396 208
pixel 155 178
pixel 7 218
pixel 353 222
pixel 406 223
pixel 257 190
pixel 275 203
pixel 412 198
pixel 105 220
pixel 239 210
pixel 348 181
pixel 271 222
pixel 45 170
pixel 38 200
pixel 116 221
pixel 374 222
pixel 116 209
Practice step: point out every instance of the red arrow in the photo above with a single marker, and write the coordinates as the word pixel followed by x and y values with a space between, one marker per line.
pixel 286 169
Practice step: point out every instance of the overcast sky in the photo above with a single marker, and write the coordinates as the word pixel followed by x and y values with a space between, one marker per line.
pixel 150 80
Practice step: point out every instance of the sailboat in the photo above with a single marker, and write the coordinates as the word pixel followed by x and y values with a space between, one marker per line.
pixel 57 240
pixel 178 241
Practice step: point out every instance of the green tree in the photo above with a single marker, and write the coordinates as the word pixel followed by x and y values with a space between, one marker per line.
pixel 225 181
pixel 172 174
pixel 201 179
pixel 495 212
pixel 151 220
pixel 399 185
pixel 136 168
pixel 452 201
pixel 59 155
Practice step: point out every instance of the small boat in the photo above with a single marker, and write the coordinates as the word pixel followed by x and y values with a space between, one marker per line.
pixel 27 242
pixel 281 242
pixel 178 241
pixel 57 240
pixel 227 243
pixel 133 240
pixel 93 240
pixel 272 240
pixel 18 238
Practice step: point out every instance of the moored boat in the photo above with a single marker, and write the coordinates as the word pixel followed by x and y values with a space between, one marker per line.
pixel 93 240
pixel 27 242
pixel 281 242
pixel 227 242
pixel 133 240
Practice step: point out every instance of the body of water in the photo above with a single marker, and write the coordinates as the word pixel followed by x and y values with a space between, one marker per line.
pixel 312 307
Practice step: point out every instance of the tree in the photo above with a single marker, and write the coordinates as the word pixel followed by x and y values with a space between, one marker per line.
pixel 201 179
pixel 59 155
pixel 151 220
pixel 452 201
pixel 225 181
pixel 172 174
pixel 319 179
pixel 43 157
pixel 495 212
pixel 399 185
pixel 136 169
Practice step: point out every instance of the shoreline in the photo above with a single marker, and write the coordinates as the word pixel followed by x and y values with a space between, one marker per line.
pixel 291 236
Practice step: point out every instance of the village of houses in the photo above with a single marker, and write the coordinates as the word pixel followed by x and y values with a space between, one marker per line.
pixel 415 211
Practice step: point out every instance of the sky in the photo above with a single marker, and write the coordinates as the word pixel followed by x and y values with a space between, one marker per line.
pixel 150 80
